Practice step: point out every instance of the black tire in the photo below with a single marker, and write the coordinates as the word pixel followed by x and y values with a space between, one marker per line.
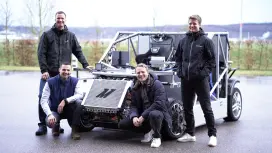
pixel 85 122
pixel 234 105
pixel 178 121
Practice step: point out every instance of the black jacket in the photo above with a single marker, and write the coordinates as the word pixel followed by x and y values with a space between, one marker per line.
pixel 56 47
pixel 195 56
pixel 157 98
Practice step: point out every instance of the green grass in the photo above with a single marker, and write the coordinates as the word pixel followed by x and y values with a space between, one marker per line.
pixel 252 73
pixel 19 68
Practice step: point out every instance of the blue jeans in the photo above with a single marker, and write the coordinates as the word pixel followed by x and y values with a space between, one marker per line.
pixel 42 115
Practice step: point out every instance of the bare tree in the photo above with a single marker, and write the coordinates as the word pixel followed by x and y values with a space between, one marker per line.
pixel 6 12
pixel 97 43
pixel 40 13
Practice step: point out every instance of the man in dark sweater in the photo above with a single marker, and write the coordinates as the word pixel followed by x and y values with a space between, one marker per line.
pixel 55 47
pixel 61 100
pixel 148 108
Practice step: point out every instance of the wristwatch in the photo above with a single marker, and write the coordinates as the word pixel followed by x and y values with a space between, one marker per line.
pixel 66 102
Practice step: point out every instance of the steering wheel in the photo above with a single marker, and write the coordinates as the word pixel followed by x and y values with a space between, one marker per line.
pixel 160 38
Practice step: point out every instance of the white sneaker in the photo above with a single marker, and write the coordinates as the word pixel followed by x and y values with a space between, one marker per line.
pixel 156 142
pixel 148 137
pixel 187 138
pixel 213 141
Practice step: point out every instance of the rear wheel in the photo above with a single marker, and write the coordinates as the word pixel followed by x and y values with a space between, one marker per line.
pixel 178 120
pixel 234 105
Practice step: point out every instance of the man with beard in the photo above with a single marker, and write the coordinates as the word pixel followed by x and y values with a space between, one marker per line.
pixel 61 100
pixel 55 47
pixel 149 107
pixel 195 60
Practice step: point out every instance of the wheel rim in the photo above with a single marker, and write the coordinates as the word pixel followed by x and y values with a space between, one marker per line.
pixel 85 120
pixel 178 122
pixel 236 104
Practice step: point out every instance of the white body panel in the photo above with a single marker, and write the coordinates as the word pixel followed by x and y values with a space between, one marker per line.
pixel 219 108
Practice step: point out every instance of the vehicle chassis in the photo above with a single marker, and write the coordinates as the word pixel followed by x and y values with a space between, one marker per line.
pixel 226 98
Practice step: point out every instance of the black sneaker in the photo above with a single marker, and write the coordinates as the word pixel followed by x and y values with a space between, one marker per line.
pixel 41 131
pixel 61 130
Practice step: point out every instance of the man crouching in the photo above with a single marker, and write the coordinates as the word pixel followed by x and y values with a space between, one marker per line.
pixel 148 107
pixel 60 100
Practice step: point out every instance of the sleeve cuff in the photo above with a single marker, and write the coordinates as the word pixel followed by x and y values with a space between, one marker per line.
pixel 66 101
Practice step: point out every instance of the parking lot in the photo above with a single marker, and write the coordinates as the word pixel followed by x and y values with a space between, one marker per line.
pixel 19 118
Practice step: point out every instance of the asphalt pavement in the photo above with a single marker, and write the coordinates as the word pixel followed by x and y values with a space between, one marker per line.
pixel 19 118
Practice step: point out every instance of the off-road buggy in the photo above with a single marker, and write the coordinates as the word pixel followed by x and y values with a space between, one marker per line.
pixel 107 89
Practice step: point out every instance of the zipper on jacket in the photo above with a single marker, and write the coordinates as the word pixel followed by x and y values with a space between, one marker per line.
pixel 60 57
pixel 190 59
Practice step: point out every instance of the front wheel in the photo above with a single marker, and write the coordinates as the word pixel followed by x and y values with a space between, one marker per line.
pixel 178 120
pixel 234 105
pixel 85 122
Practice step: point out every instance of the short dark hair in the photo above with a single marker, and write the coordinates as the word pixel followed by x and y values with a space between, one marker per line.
pixel 60 12
pixel 196 17
pixel 65 63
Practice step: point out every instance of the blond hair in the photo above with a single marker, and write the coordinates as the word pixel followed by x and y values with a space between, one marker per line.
pixel 142 65
pixel 196 17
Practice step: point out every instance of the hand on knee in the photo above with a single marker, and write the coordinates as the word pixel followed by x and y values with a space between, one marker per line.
pixel 51 121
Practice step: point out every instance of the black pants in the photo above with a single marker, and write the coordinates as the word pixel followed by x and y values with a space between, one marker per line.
pixel 154 122
pixel 42 115
pixel 202 89
pixel 71 112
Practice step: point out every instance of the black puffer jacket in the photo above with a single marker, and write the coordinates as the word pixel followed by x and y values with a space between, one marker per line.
pixel 56 47
pixel 156 96
pixel 195 56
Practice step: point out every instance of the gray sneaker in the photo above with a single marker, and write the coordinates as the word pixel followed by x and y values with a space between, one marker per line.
pixel 148 137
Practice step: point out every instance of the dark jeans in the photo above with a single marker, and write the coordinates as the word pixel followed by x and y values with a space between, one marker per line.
pixel 71 112
pixel 154 122
pixel 42 115
pixel 202 89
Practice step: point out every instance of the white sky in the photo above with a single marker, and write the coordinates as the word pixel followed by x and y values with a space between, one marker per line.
pixel 85 13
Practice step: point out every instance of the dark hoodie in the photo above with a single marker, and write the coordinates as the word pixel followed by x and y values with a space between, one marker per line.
pixel 195 56
pixel 155 99
pixel 55 47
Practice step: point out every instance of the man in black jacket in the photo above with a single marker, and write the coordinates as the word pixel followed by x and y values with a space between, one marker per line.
pixel 149 107
pixel 195 59
pixel 56 46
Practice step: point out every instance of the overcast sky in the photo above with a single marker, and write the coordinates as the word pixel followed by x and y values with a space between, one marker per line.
pixel 85 13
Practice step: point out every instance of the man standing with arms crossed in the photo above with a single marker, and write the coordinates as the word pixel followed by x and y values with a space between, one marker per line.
pixel 55 47
pixel 195 60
